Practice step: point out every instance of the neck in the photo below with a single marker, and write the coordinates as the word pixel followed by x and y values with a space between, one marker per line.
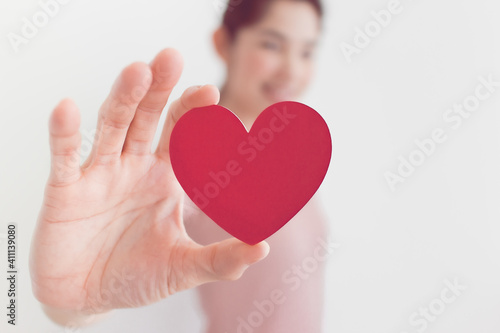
pixel 246 114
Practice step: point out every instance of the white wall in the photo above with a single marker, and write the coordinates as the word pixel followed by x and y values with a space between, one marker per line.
pixel 397 247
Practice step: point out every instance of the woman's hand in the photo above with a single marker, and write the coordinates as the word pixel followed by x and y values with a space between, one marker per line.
pixel 110 233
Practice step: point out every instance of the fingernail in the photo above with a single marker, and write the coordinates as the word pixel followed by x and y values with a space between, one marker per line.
pixel 192 89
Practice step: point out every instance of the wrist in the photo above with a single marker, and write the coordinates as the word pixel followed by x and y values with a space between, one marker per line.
pixel 74 318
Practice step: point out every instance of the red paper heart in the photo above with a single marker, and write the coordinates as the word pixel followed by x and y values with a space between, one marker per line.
pixel 251 183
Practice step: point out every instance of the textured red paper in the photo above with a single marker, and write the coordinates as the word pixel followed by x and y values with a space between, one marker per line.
pixel 251 183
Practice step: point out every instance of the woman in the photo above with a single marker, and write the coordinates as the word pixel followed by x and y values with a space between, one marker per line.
pixel 110 233
pixel 268 49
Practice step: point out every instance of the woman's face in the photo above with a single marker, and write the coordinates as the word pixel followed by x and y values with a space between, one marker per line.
pixel 272 60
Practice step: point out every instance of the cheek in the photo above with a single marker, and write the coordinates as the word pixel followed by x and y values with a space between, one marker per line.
pixel 307 75
pixel 260 65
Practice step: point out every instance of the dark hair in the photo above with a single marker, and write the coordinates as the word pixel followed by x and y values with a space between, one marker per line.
pixel 241 13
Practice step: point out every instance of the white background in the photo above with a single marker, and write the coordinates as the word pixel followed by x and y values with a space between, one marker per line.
pixel 396 247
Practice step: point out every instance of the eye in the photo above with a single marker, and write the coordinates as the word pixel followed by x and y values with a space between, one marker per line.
pixel 307 54
pixel 270 45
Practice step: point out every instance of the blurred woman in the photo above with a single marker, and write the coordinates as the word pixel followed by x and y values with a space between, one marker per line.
pixel 268 48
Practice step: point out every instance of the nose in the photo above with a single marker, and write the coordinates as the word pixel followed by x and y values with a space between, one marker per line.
pixel 290 67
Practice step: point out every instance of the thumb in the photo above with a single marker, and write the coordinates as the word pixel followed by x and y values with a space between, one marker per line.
pixel 227 260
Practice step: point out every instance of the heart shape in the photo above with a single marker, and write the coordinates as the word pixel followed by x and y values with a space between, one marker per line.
pixel 251 183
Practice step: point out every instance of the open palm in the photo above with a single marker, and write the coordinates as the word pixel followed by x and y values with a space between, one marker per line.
pixel 110 232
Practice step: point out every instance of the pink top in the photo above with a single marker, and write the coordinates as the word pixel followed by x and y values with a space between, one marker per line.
pixel 282 293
